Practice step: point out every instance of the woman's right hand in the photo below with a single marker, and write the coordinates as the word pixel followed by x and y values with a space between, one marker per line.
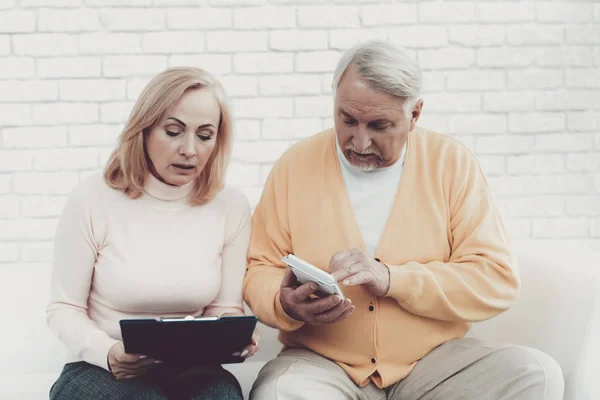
pixel 127 366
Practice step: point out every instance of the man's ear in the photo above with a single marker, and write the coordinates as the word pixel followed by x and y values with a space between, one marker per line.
pixel 416 113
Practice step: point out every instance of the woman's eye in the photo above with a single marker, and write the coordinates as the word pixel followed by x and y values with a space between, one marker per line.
pixel 172 134
pixel 205 138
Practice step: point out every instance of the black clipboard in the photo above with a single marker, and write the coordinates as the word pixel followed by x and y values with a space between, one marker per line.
pixel 188 340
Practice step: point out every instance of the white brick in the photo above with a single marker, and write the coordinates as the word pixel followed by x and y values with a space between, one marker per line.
pixel 6 183
pixel 199 18
pixel 264 151
pixel 434 122
pixel 37 251
pixel 173 42
pixel 455 11
pixel 504 11
pixel 537 122
pixel 564 142
pixel 328 122
pixel 70 67
pixel 15 160
pixel 8 4
pixel 452 102
pixel 519 35
pixel 518 228
pixel 476 35
pixel 92 90
pixel 492 165
pixel 433 81
pixel 93 135
pixel 556 184
pixel 313 106
pixel 135 87
pixel 253 194
pixel 76 20
pixel 17 21
pixel 9 206
pixel 327 83
pixel 597 55
pixel 467 141
pixel 230 41
pixel 43 206
pixel 536 206
pixel 115 112
pixel 22 91
pixel 509 101
pixel 346 38
pixel 583 120
pixel 560 100
pixel 240 86
pixel 583 34
pixel 477 124
pixel 388 14
pixel 45 182
pixel 132 19
pixel 64 113
pixel 50 3
pixel 104 155
pixel 34 137
pixel 536 164
pixel 317 61
pixel 597 183
pixel 510 144
pixel 565 57
pixel 328 17
pixel 246 129
pixel 265 170
pixel 109 43
pixel 597 141
pixel 292 84
pixel 263 107
pixel 264 18
pixel 564 12
pixel 242 174
pixel 48 44
pixel 579 206
pixel 534 79
pixel 216 64
pixel 27 229
pixel 583 162
pixel 428 36
pixel 510 186
pixel 474 80
pixel 15 114
pixel 595 230
pixel 560 228
pixel 262 63
pixel 447 58
pixel 583 78
pixel 9 252
pixel 298 40
pixel 117 66
pixel 16 67
pixel 505 57
pixel 4 45
pixel 65 159
pixel 224 3
pixel 291 128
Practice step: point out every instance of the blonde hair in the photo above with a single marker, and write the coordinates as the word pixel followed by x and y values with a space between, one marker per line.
pixel 127 167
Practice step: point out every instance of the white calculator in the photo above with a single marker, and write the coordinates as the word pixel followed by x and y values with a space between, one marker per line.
pixel 306 272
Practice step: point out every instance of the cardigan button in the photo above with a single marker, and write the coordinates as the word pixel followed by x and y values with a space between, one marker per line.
pixel 371 307
pixel 374 360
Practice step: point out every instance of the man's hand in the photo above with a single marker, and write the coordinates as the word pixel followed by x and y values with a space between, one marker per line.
pixel 354 267
pixel 298 304
pixel 127 366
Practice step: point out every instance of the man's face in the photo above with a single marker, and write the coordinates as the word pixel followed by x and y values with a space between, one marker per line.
pixel 371 126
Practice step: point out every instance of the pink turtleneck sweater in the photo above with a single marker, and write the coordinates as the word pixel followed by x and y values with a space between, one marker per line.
pixel 118 258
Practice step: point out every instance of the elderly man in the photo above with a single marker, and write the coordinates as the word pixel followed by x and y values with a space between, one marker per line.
pixel 404 219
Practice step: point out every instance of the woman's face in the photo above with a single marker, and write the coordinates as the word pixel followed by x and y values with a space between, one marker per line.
pixel 180 145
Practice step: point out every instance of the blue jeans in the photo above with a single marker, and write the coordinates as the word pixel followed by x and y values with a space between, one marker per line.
pixel 82 381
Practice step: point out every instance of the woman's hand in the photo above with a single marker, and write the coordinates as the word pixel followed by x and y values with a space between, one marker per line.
pixel 252 348
pixel 127 366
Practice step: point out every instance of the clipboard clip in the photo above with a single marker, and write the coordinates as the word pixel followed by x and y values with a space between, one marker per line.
pixel 188 318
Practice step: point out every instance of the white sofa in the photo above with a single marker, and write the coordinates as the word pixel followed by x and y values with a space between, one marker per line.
pixel 558 312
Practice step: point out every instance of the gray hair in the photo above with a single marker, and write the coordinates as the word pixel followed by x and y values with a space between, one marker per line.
pixel 383 67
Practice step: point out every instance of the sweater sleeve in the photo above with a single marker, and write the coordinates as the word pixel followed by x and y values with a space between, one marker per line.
pixel 75 253
pixel 270 241
pixel 233 259
pixel 480 279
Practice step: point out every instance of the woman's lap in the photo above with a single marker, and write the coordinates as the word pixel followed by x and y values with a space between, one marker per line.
pixel 81 380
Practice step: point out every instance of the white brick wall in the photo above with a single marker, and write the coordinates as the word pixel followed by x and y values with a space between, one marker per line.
pixel 517 82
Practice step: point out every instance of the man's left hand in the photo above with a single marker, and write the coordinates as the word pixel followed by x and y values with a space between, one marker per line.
pixel 354 267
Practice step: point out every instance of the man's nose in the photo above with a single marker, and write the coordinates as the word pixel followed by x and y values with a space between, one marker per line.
pixel 361 141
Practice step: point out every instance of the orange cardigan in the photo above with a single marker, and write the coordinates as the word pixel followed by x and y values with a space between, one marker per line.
pixel 447 249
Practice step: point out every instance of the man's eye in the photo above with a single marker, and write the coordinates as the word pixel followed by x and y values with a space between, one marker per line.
pixel 348 121
pixel 381 127
pixel 172 134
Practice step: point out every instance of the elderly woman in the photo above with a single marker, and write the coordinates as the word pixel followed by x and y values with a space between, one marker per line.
pixel 158 235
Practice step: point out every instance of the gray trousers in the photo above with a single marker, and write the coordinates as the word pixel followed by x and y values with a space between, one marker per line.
pixel 82 381
pixel 459 369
